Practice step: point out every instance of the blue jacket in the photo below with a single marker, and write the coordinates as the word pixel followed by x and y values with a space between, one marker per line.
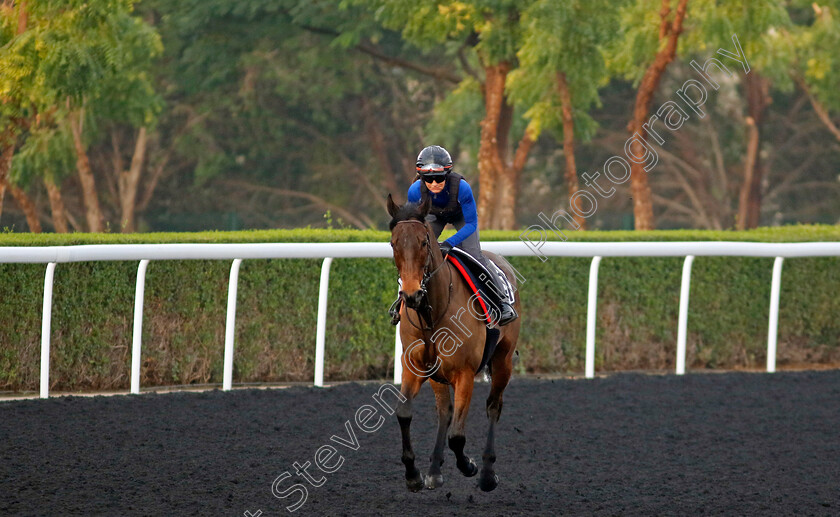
pixel 468 208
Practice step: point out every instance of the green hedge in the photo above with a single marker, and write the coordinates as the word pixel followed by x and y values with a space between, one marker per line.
pixel 183 332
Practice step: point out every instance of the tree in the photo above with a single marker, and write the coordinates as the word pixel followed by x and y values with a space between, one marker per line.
pixel 276 103
pixel 561 67
pixel 46 156
pixel 748 28
pixel 16 107
pixel 77 58
pixel 815 67
pixel 489 35
pixel 746 25
pixel 643 54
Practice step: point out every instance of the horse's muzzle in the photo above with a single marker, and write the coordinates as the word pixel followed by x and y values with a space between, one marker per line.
pixel 414 300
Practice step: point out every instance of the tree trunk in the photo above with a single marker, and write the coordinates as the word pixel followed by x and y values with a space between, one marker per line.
pixel 89 194
pixel 380 149
pixel 743 221
pixel 639 186
pixel 7 140
pixel 820 110
pixel 499 179
pixel 59 213
pixel 28 208
pixel 74 224
pixel 503 131
pixel 22 18
pixel 569 142
pixel 490 165
pixel 749 202
pixel 508 186
pixel 152 181
pixel 6 164
pixel 129 181
pixel 506 192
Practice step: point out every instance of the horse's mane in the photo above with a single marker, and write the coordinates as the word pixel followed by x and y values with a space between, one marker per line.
pixel 407 212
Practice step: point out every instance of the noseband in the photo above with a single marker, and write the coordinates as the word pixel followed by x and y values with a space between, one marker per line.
pixel 425 306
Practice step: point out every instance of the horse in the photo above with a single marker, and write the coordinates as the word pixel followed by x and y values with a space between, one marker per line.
pixel 447 345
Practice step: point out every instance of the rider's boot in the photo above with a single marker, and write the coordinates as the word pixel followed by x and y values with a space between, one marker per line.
pixel 508 313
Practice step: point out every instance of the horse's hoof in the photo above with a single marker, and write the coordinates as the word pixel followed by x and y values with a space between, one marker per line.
pixel 487 483
pixel 469 470
pixel 414 484
pixel 434 481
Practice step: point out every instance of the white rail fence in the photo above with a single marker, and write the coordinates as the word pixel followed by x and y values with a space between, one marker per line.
pixel 328 251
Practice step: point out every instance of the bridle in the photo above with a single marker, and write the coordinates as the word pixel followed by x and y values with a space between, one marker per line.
pixel 425 309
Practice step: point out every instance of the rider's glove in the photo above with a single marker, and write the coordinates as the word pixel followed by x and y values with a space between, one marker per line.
pixel 445 247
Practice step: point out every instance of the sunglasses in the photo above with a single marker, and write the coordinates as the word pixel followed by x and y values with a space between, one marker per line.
pixel 434 178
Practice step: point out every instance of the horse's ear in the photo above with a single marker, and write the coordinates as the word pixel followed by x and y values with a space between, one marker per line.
pixel 425 206
pixel 393 208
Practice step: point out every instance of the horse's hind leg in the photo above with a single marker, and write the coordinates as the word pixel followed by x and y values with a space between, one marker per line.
pixel 457 440
pixel 502 366
pixel 443 401
pixel 410 386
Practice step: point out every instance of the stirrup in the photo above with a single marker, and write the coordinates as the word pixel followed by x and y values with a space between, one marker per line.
pixel 394 311
pixel 508 314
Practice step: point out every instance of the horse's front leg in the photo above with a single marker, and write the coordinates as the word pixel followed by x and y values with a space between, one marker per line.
pixel 410 387
pixel 457 439
pixel 443 401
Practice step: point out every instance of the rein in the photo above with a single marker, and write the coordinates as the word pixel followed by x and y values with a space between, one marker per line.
pixel 427 275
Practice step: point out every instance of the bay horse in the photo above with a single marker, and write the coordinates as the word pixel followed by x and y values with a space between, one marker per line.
pixel 444 342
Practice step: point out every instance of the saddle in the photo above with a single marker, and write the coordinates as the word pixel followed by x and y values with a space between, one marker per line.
pixel 484 289
pixel 481 283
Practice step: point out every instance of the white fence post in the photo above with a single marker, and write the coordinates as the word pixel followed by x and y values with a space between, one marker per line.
pixel 230 324
pixel 137 341
pixel 683 321
pixel 774 314
pixel 590 317
pixel 398 358
pixel 45 330
pixel 51 255
pixel 321 330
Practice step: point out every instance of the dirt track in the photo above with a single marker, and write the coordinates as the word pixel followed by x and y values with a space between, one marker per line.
pixel 629 444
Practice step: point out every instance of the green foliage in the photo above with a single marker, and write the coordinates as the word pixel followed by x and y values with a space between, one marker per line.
pixel 273 93
pixel 637 41
pixel 758 25
pixel 708 26
pixel 47 152
pixel 285 94
pixel 185 302
pixel 75 51
pixel 93 56
pixel 563 37
pixel 453 120
pixel 539 39
pixel 815 44
pixel 427 23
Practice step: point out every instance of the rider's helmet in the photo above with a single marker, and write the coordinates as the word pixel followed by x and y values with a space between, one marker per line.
pixel 434 160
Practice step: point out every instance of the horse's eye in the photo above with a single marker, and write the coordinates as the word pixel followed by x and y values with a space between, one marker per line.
pixel 423 244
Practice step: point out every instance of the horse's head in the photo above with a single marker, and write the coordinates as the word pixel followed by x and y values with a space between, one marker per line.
pixel 414 247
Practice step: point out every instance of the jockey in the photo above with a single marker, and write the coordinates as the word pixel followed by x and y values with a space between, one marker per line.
pixel 452 203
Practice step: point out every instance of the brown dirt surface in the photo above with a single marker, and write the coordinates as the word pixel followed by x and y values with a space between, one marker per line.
pixel 733 443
